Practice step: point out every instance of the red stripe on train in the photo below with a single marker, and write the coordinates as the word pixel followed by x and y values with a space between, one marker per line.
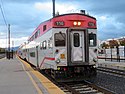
pixel 46 58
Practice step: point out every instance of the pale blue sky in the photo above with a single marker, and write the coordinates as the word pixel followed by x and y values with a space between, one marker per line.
pixel 25 15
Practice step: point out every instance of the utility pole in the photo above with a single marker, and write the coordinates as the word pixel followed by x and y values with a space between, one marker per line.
pixel 12 49
pixel 53 8
pixel 8 41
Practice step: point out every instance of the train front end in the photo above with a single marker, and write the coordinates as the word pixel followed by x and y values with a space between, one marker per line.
pixel 75 47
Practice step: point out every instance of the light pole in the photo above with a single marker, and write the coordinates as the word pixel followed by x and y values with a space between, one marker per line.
pixel 8 55
pixel 53 8
pixel 12 48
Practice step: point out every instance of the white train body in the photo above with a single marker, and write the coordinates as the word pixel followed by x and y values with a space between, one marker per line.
pixel 63 43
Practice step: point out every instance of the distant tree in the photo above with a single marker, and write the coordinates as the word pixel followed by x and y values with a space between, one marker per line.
pixel 122 42
pixel 113 43
pixel 104 45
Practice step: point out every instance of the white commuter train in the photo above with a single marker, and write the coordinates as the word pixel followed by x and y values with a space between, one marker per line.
pixel 65 45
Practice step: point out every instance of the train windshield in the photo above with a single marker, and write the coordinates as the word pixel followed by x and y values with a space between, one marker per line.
pixel 92 39
pixel 60 39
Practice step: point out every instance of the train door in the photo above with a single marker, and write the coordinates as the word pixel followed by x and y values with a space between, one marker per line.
pixel 37 56
pixel 77 46
pixel 28 54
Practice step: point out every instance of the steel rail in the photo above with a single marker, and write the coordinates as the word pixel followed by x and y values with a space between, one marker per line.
pixel 99 88
pixel 113 71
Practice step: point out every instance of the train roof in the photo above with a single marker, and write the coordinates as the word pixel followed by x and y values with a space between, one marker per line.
pixel 68 15
pixel 63 17
pixel 75 14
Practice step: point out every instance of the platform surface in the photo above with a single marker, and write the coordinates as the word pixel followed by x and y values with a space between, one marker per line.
pixel 17 78
pixel 13 78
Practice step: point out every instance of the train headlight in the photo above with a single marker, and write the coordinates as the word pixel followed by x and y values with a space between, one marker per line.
pixel 94 66
pixel 74 23
pixel 79 23
pixel 57 60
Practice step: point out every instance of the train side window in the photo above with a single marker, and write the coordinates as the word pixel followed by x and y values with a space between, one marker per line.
pixel 60 39
pixel 41 45
pixel 92 39
pixel 44 44
pixel 33 37
pixel 36 34
pixel 44 27
pixel 76 39
pixel 32 54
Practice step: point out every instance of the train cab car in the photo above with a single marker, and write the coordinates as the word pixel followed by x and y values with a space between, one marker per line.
pixel 65 46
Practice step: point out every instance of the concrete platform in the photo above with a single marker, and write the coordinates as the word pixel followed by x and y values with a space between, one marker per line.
pixel 111 64
pixel 19 78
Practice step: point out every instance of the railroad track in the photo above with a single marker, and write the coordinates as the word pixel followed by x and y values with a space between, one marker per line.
pixel 80 87
pixel 84 87
pixel 112 71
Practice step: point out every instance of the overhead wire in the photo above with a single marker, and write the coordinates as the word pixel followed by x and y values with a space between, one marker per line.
pixel 4 17
pixel 2 12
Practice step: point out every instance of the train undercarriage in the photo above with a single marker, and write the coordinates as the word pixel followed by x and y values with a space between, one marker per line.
pixel 72 73
pixel 69 73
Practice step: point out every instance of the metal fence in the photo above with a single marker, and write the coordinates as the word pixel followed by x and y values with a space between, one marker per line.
pixel 114 54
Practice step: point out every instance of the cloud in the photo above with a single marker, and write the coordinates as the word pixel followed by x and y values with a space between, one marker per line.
pixel 103 18
pixel 3 43
pixel 65 8
pixel 109 27
pixel 25 15
pixel 3 31
pixel 19 31
pixel 25 1
pixel 60 7
pixel 47 6
pixel 17 42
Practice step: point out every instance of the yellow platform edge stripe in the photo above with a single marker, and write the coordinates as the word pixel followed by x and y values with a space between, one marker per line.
pixel 32 80
pixel 51 87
